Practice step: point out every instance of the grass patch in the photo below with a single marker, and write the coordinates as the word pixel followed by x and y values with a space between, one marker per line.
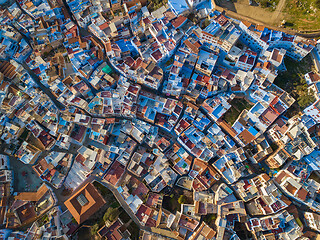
pixel 94 229
pixel 241 104
pixel 73 220
pixel 231 115
pixel 205 23
pixel 303 14
pixel 177 197
pixel 111 214
pixel 98 219
pixel 305 96
pixel 169 62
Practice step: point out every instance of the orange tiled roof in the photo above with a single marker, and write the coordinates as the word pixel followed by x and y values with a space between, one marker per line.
pixel 33 196
pixel 94 202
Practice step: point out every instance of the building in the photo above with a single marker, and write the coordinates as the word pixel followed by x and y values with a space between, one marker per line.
pixel 85 202
pixel 312 220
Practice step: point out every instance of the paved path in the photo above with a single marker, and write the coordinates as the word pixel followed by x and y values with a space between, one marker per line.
pixel 128 210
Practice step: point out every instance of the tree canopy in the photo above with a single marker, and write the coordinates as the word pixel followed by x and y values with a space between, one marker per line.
pixel 182 199
pixel 111 214
pixel 94 229
pixel 305 95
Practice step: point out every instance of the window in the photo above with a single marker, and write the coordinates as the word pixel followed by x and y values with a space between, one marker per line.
pixel 82 200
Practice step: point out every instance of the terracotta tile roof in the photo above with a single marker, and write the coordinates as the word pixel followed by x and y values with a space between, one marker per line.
pixel 246 23
pixel 193 47
pixel 33 196
pixel 276 56
pixel 291 189
pixel 222 20
pixel 203 232
pixel 112 232
pixel 7 69
pixel 280 177
pixel 260 27
pixel 85 202
pixel 285 200
pixel 146 21
pixel 104 26
pixel 314 77
pixel 157 55
pixel 302 194
pixel 246 137
pixel 177 22
pixel 269 115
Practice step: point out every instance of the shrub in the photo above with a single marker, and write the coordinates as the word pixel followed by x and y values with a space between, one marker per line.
pixel 305 95
pixel 111 214
pixel 182 199
pixel 94 229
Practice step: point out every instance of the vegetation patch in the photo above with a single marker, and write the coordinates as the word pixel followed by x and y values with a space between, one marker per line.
pixel 43 220
pixel 210 219
pixel 124 215
pixel 134 230
pixel 270 4
pixel 304 96
pixel 102 189
pixel 177 197
pixel 94 229
pixel 156 4
pixel 238 105
pixel 111 214
pixel 303 14
pixel 182 199
pixel 292 81
pixel 170 203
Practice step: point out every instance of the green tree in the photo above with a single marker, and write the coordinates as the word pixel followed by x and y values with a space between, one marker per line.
pixel 111 214
pixel 317 3
pixel 94 229
pixel 305 95
pixel 306 99
pixel 182 199
pixel 156 4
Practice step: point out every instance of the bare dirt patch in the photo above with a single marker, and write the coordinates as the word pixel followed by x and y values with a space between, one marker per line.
pixel 256 12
